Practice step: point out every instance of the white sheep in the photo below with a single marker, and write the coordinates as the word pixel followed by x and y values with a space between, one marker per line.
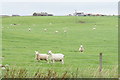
pixel 56 31
pixel 56 57
pixel 94 28
pixel 45 29
pixel 29 29
pixel 39 56
pixel 81 49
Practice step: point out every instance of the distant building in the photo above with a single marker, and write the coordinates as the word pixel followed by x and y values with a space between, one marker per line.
pixel 42 14
pixel 78 14
pixel 88 14
pixel 15 15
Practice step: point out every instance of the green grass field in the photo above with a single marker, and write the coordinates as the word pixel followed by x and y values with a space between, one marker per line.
pixel 19 44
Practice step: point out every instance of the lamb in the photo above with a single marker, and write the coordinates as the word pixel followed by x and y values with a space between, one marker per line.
pixel 56 57
pixel 39 56
pixel 81 49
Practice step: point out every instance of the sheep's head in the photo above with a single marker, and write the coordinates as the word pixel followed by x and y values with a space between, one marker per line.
pixel 49 52
pixel 36 52
pixel 81 45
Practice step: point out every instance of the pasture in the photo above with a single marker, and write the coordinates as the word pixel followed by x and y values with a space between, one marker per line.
pixel 19 44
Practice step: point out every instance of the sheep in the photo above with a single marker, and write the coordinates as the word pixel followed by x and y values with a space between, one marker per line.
pixel 45 29
pixel 56 31
pixel 81 49
pixel 65 31
pixel 39 56
pixel 56 57
pixel 29 29
pixel 94 28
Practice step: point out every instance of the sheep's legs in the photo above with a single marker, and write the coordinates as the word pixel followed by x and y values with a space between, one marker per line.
pixel 62 61
pixel 38 60
pixel 48 61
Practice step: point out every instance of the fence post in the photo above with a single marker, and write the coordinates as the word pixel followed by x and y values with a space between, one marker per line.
pixel 100 62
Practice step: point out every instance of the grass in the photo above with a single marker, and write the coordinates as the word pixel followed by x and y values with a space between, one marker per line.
pixel 19 44
pixel 16 72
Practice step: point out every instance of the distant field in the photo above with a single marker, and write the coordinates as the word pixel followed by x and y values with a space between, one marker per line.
pixel 19 44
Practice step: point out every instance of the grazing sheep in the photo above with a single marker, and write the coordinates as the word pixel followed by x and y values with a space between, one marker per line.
pixel 39 56
pixel 56 31
pixel 94 28
pixel 81 49
pixel 56 57
pixel 45 29
pixel 29 29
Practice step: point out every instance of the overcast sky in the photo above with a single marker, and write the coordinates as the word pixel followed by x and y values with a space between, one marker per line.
pixel 59 0
pixel 59 7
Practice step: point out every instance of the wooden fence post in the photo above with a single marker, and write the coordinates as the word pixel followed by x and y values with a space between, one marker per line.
pixel 100 62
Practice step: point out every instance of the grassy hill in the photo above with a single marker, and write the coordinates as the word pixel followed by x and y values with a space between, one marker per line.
pixel 19 44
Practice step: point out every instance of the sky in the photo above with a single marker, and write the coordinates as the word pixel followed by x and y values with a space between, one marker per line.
pixel 59 7
pixel 59 0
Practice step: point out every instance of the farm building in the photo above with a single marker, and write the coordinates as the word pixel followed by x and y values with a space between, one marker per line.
pixel 42 14
pixel 79 14
pixel 89 14
pixel 15 15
